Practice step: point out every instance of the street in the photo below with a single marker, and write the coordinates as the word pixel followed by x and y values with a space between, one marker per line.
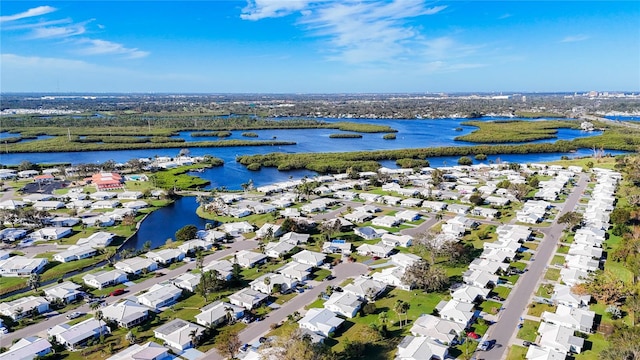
pixel 506 328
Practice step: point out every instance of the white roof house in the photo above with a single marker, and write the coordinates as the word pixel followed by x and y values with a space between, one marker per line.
pixel 249 259
pixel 438 329
pixel 479 278
pixel 247 298
pixel 559 338
pixel 295 238
pixel 369 233
pixel 344 303
pixel 295 270
pixel 420 348
pixel 176 333
pixel 237 228
pixel 126 313
pixel 74 253
pixel 397 240
pixel 392 276
pixel 66 291
pixel 492 267
pixel 265 283
pixel 386 221
pixel 320 321
pixel 276 230
pixel 379 249
pixel 187 281
pixel 407 215
pixel 21 266
pixel 24 306
pixel 136 265
pixel 160 295
pixel 572 277
pixel 575 318
pixel 455 310
pixel 223 267
pixel 166 256
pixel 97 239
pixel 540 353
pixel 277 249
pixel 586 263
pixel 366 288
pixel 104 279
pixel 216 313
pixel 51 233
pixel 76 336
pixel 310 258
pixel 148 351
pixel 48 205
pixel 563 295
pixel 469 293
pixel 27 348
pixel 194 245
pixel 337 246
pixel 404 259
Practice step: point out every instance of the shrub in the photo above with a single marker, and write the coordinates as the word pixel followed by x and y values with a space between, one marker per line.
pixel 389 136
pixel 480 157
pixel 465 160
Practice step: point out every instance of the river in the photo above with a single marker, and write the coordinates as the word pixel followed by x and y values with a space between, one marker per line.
pixel 411 134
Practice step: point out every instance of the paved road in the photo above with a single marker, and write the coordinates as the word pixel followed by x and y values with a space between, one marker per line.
pixel 505 329
pixel 255 330
pixel 55 319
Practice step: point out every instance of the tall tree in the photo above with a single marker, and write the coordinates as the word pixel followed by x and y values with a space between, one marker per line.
pixel 571 218
pixel 228 344
pixel 34 281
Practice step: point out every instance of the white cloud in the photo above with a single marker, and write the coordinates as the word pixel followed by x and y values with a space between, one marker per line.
pixel 45 32
pixel 261 9
pixel 574 38
pixel 104 47
pixel 37 11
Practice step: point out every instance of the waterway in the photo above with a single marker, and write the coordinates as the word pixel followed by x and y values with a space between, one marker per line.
pixel 411 134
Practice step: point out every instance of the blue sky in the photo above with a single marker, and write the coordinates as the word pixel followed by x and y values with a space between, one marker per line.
pixel 307 46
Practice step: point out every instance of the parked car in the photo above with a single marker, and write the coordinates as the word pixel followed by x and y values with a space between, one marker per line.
pixel 486 345
pixel 527 343
pixel 330 277
pixel 74 315
pixel 117 292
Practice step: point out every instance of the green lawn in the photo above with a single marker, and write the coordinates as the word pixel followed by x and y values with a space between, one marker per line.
pixel 552 274
pixel 545 291
pixel 557 260
pixel 517 352
pixel 537 309
pixel 490 307
pixel 594 344
pixel 501 291
pixel 529 330
pixel 563 249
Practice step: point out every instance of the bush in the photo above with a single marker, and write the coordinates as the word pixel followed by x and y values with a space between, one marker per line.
pixel 389 136
pixel 254 166
pixel 465 160
pixel 369 308
pixel 480 157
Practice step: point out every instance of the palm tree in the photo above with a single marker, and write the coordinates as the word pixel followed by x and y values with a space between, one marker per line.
pixel 99 316
pixel 34 281
pixel 399 307
pixel 130 337
pixel 383 317
pixel 228 312
pixel 193 335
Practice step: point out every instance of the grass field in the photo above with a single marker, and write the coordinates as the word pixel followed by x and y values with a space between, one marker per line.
pixel 529 330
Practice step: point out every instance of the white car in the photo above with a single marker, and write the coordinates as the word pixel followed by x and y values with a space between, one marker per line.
pixel 74 315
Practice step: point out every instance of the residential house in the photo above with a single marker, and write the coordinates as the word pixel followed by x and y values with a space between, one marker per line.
pixel 48 205
pixel 369 233
pixel 51 233
pixel 148 351
pixel 267 230
pixel 98 239
pixel 126 314
pixel 237 228
pixel 559 338
pixel 575 318
pixel 379 250
pixel 66 291
pixel 458 208
pixel 310 258
pixel 336 247
pixel 166 256
pixel 21 266
pixel 392 276
pixel 386 221
pixel 441 330
pixel 404 259
pixel 223 267
pixel 12 234
pixel 469 294
pixel 217 313
pixel 563 295
pixel 247 298
pixel 458 311
pixel 411 202
pixel 320 321
pixel 136 265
pixel 187 281
pixel 177 334
pixel 74 337
pixel 295 238
pixel 103 279
pixel 540 353
pixel 421 348
pixel 397 240
pixel 192 246
pixel 27 348
pixel 24 307
pixel 296 270
pixel 248 259
pixel 266 283
pixel 160 295
pixel 489 266
pixel 129 195
pixel 344 303
pixel 278 249
pixel 480 278
pixel 365 288
pixel 359 217
pixel 407 215
pixel 75 253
